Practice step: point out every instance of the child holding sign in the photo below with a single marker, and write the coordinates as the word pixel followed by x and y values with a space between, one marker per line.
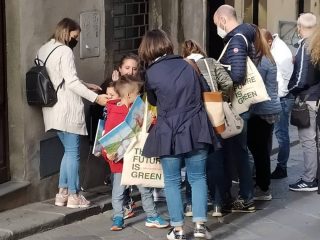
pixel 128 88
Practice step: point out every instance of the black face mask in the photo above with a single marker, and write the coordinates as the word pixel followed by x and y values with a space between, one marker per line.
pixel 72 43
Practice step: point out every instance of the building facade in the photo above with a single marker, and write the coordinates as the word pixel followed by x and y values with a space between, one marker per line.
pixel 29 158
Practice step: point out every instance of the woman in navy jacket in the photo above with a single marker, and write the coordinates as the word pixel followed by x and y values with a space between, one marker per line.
pixel 182 131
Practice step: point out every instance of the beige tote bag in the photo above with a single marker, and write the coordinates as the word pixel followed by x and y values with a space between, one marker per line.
pixel 252 91
pixel 140 170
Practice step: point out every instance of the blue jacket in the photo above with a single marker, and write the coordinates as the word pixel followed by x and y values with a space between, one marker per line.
pixel 237 52
pixel 182 122
pixel 268 72
pixel 305 79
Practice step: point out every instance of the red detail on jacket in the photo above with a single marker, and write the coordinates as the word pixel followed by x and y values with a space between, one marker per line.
pixel 116 115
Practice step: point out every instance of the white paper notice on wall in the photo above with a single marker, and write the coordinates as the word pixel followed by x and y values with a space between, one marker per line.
pixel 90 34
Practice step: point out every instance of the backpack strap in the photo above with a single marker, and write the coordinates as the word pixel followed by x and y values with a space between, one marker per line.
pixel 44 64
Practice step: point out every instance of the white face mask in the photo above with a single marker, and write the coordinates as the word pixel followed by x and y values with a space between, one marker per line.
pixel 222 33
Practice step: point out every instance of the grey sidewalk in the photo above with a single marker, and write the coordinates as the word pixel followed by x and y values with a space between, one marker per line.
pixel 288 216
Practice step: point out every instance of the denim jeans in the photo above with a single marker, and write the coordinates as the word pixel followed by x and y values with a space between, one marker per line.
pixel 195 162
pixel 118 198
pixel 281 129
pixel 307 138
pixel 69 168
pixel 236 156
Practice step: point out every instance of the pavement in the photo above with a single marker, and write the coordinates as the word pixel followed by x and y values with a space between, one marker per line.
pixel 289 216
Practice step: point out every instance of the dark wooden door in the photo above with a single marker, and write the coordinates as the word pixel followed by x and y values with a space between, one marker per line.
pixel 4 169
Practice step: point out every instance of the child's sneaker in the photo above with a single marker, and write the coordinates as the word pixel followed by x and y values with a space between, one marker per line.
pixel 156 222
pixel 77 201
pixel 118 224
pixel 61 199
pixel 174 234
pixel 201 231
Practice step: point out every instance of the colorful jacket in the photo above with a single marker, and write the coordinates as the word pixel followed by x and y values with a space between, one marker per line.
pixel 116 115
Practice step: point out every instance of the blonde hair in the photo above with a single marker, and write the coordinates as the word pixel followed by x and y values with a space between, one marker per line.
pixel 191 46
pixel 63 29
pixel 127 84
pixel 307 20
pixel 314 47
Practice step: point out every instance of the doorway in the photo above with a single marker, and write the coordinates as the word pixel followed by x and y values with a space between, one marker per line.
pixel 4 165
pixel 214 42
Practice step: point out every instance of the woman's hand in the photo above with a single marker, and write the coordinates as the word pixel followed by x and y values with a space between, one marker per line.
pixel 115 75
pixel 93 87
pixel 102 99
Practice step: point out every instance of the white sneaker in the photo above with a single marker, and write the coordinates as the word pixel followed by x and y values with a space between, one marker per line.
pixel 77 201
pixel 201 231
pixel 174 235
pixel 260 195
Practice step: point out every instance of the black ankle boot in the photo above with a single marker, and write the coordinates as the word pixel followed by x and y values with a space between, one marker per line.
pixel 279 173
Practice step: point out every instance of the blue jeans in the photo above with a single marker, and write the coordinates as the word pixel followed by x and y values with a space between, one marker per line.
pixel 69 168
pixel 236 156
pixel 281 129
pixel 118 198
pixel 196 169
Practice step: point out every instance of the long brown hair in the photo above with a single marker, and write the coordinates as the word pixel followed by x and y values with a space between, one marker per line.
pixel 63 29
pixel 314 47
pixel 191 46
pixel 154 44
pixel 261 46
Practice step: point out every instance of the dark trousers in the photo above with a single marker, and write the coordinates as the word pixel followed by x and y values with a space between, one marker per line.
pixel 215 177
pixel 259 144
pixel 236 158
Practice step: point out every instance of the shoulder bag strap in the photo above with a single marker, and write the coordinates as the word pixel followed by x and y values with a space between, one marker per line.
pixel 50 54
pixel 209 72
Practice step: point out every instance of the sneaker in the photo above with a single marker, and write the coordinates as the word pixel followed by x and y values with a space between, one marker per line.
pixel 61 199
pixel 216 211
pixel 159 195
pixel 128 211
pixel 174 235
pixel 279 173
pixel 260 195
pixel 156 222
pixel 118 224
pixel 201 231
pixel 188 210
pixel 303 186
pixel 241 205
pixel 77 201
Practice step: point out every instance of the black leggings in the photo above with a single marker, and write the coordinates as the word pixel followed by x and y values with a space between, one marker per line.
pixel 260 144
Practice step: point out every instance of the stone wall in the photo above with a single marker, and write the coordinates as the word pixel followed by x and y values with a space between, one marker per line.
pixel 29 24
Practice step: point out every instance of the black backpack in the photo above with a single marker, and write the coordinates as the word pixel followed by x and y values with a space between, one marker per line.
pixel 40 90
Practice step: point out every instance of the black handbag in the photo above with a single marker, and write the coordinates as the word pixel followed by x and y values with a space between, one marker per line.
pixel 39 88
pixel 300 114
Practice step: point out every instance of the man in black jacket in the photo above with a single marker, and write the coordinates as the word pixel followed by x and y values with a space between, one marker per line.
pixel 305 85
pixel 235 59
